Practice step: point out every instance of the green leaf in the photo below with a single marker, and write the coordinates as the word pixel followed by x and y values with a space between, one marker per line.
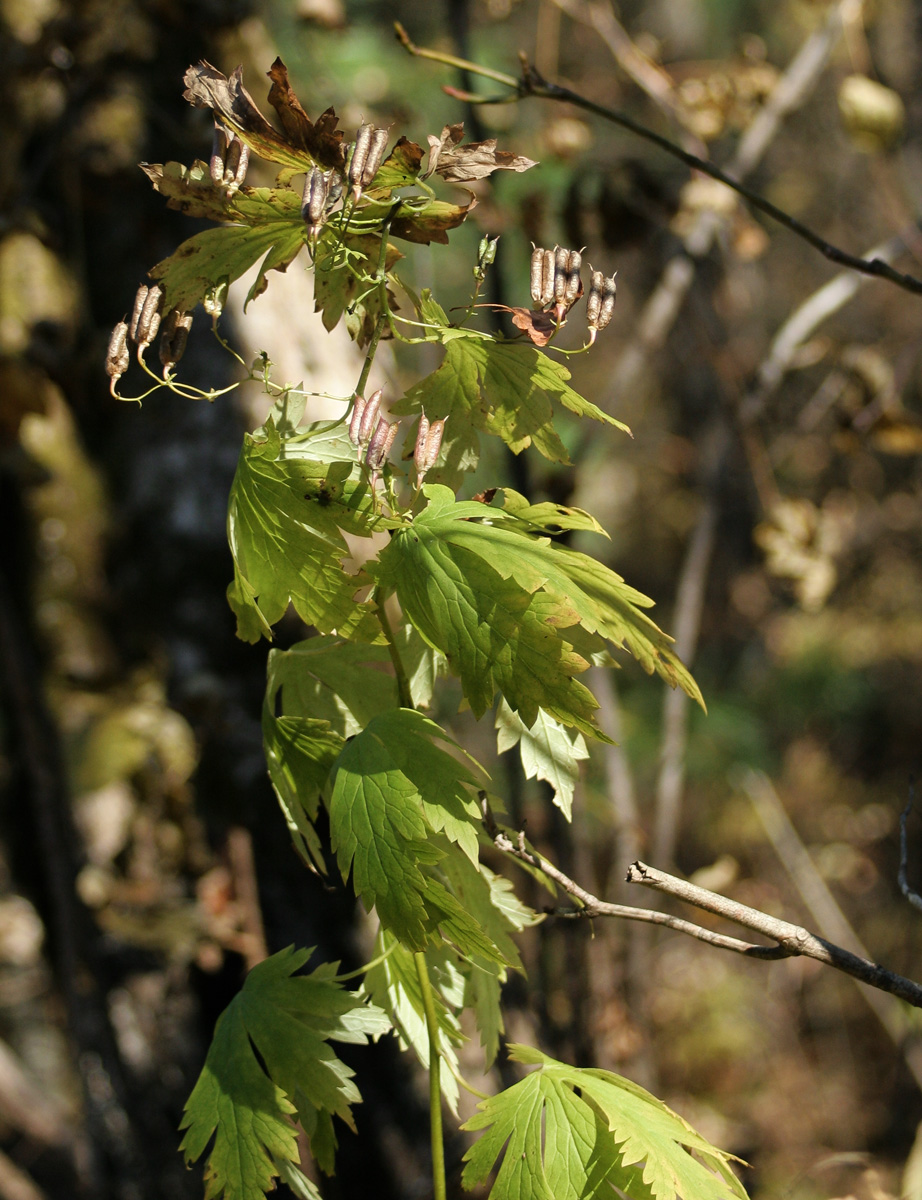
pixel 288 549
pixel 548 517
pixel 344 267
pixel 496 387
pixel 422 664
pixel 393 791
pixel 548 750
pixel 571 1134
pixel 400 168
pixel 246 1104
pixel 493 598
pixel 299 754
pixel 342 683
pixel 273 227
pixel 393 984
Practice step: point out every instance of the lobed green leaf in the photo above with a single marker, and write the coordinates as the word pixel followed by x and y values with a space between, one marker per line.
pixel 246 1103
pixel 570 1134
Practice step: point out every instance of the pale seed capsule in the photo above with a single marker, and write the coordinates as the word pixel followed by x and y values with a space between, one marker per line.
pixel 567 265
pixel 542 276
pixel 422 433
pixel 139 298
pixel 236 163
pixel 425 456
pixel 174 334
pixel 381 441
pixel 360 155
pixel 561 262
pixel 117 354
pixel 375 156
pixel 370 416
pixel 574 263
pixel 218 154
pixel 148 318
pixel 355 422
pixel 314 200
pixel 600 310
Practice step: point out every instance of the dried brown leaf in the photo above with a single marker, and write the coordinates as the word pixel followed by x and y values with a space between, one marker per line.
pixel 318 141
pixel 476 160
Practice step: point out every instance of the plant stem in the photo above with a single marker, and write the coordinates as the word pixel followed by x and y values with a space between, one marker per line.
pixel 403 683
pixel 435 1085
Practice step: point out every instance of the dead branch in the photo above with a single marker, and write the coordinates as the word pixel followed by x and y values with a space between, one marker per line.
pixel 791 940
pixel 794 939
pixel 532 84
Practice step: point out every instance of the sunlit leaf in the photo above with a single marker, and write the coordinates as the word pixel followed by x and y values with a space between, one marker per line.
pixel 247 1103
pixel 568 1134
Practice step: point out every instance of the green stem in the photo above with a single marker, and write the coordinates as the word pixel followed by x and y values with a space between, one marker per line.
pixel 403 683
pixel 380 275
pixel 435 1085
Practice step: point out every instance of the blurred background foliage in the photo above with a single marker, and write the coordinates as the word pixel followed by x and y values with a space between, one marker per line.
pixel 770 501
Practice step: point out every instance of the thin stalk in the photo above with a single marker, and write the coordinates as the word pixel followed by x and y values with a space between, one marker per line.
pixel 435 1085
pixel 403 683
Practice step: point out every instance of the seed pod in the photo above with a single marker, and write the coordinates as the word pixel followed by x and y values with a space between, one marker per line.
pixel 314 200
pixel 381 441
pixel 219 142
pixel 236 163
pixel 117 354
pixel 486 251
pixel 139 299
pixel 601 303
pixel 174 334
pixel 567 282
pixel 355 422
pixel 421 434
pixel 148 318
pixel 370 416
pixel 359 156
pixel 542 277
pixel 428 445
pixel 375 156
pixel 594 302
pixel 214 298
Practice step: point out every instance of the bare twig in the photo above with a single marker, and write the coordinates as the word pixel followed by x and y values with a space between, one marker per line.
pixel 912 896
pixel 532 84
pixel 792 940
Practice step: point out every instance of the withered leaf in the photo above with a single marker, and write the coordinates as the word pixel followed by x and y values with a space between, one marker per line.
pixel 320 138
pixel 539 326
pixel 430 222
pixel 207 87
pixel 191 190
pixel 476 160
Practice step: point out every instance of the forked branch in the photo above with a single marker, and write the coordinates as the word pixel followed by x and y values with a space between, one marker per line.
pixel 532 84
pixel 790 940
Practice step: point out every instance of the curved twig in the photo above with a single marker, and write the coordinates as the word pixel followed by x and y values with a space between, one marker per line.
pixel 532 84
pixel 791 940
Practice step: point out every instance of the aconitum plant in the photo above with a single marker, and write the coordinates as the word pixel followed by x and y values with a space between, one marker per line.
pixel 479 588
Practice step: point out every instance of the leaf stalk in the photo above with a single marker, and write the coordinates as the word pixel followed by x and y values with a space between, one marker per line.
pixel 435 1086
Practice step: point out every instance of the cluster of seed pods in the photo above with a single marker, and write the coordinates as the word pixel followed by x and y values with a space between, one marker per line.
pixel 556 285
pixel 374 435
pixel 144 325
pixel 322 189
